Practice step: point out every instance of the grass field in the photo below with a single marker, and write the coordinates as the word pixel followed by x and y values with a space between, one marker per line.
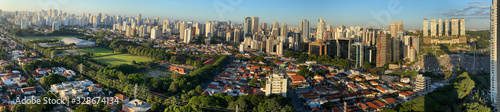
pixel 46 37
pixel 98 51
pixel 158 73
pixel 107 56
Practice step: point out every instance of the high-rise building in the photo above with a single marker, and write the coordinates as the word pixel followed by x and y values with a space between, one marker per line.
pixel 187 35
pixel 320 32
pixel 304 30
pixel 166 25
pixel 396 49
pixel 446 27
pixel 277 83
pixel 462 27
pixel 55 26
pixel 139 19
pixel 433 28
pixel 208 29
pixel 237 35
pixel 318 48
pixel 455 25
pixel 247 27
pixel 154 33
pixel 182 29
pixel 284 30
pixel 396 29
pixel 357 54
pixel 440 28
pixel 426 28
pixel 494 55
pixel 255 24
pixel 422 85
pixel 383 49
pixel 263 26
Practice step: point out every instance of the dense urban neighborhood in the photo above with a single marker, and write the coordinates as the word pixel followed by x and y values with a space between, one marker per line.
pixel 57 61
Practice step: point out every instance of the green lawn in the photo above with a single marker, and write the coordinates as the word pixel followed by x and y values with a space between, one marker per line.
pixel 107 56
pixel 158 73
pixel 98 51
pixel 46 37
pixel 116 59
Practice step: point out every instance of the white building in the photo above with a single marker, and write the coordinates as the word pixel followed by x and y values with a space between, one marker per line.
pixel 276 84
pixel 422 85
pixel 55 26
pixel 187 35
pixel 494 54
pixel 154 33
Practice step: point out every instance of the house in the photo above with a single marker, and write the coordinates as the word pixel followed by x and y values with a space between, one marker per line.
pixel 136 105
pixel 406 96
pixel 177 69
pixel 316 102
pixel 122 98
pixel 28 90
pixel 22 82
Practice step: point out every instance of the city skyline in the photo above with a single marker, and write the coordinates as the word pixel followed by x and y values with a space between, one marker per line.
pixel 357 13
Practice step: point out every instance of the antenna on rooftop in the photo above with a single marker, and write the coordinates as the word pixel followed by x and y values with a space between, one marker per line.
pixel 135 91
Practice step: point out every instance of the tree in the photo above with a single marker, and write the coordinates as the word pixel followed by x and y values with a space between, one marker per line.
pixel 198 64
pixel 27 54
pixel 48 106
pixel 241 103
pixel 252 82
pixel 31 82
pixel 84 108
pixel 476 107
pixel 262 82
pixel 19 108
pixel 367 66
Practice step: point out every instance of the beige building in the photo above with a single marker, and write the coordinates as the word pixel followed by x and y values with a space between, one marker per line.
pixel 276 83
pixel 422 85
pixel 426 27
pixel 433 28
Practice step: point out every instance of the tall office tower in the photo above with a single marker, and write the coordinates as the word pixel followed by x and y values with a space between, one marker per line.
pixel 182 29
pixel 433 28
pixel 462 27
pixel 156 21
pixel 166 24
pixel 55 26
pixel 187 35
pixel 139 19
pixel 320 32
pixel 284 30
pixel 197 28
pixel 426 28
pixel 237 35
pixel 396 29
pixel 396 49
pixel 446 27
pixel 276 25
pixel 141 31
pixel 440 28
pixel 276 83
pixel 264 26
pixel 279 48
pixel 255 24
pixel 383 49
pixel 455 23
pixel 494 55
pixel 247 27
pixel 304 30
pixel 154 33
pixel 357 54
pixel 208 29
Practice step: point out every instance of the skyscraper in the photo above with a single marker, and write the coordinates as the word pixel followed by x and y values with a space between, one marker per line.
pixel 139 20
pixel 433 28
pixel 320 32
pixel 396 29
pixel 284 30
pixel 440 28
pixel 455 23
pixel 182 29
pixel 154 33
pixel 426 27
pixel 383 49
pixel 462 27
pixel 494 55
pixel 247 26
pixel 208 29
pixel 304 30
pixel 255 24
pixel 446 27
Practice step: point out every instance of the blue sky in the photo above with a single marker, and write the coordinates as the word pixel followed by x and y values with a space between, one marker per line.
pixel 375 13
